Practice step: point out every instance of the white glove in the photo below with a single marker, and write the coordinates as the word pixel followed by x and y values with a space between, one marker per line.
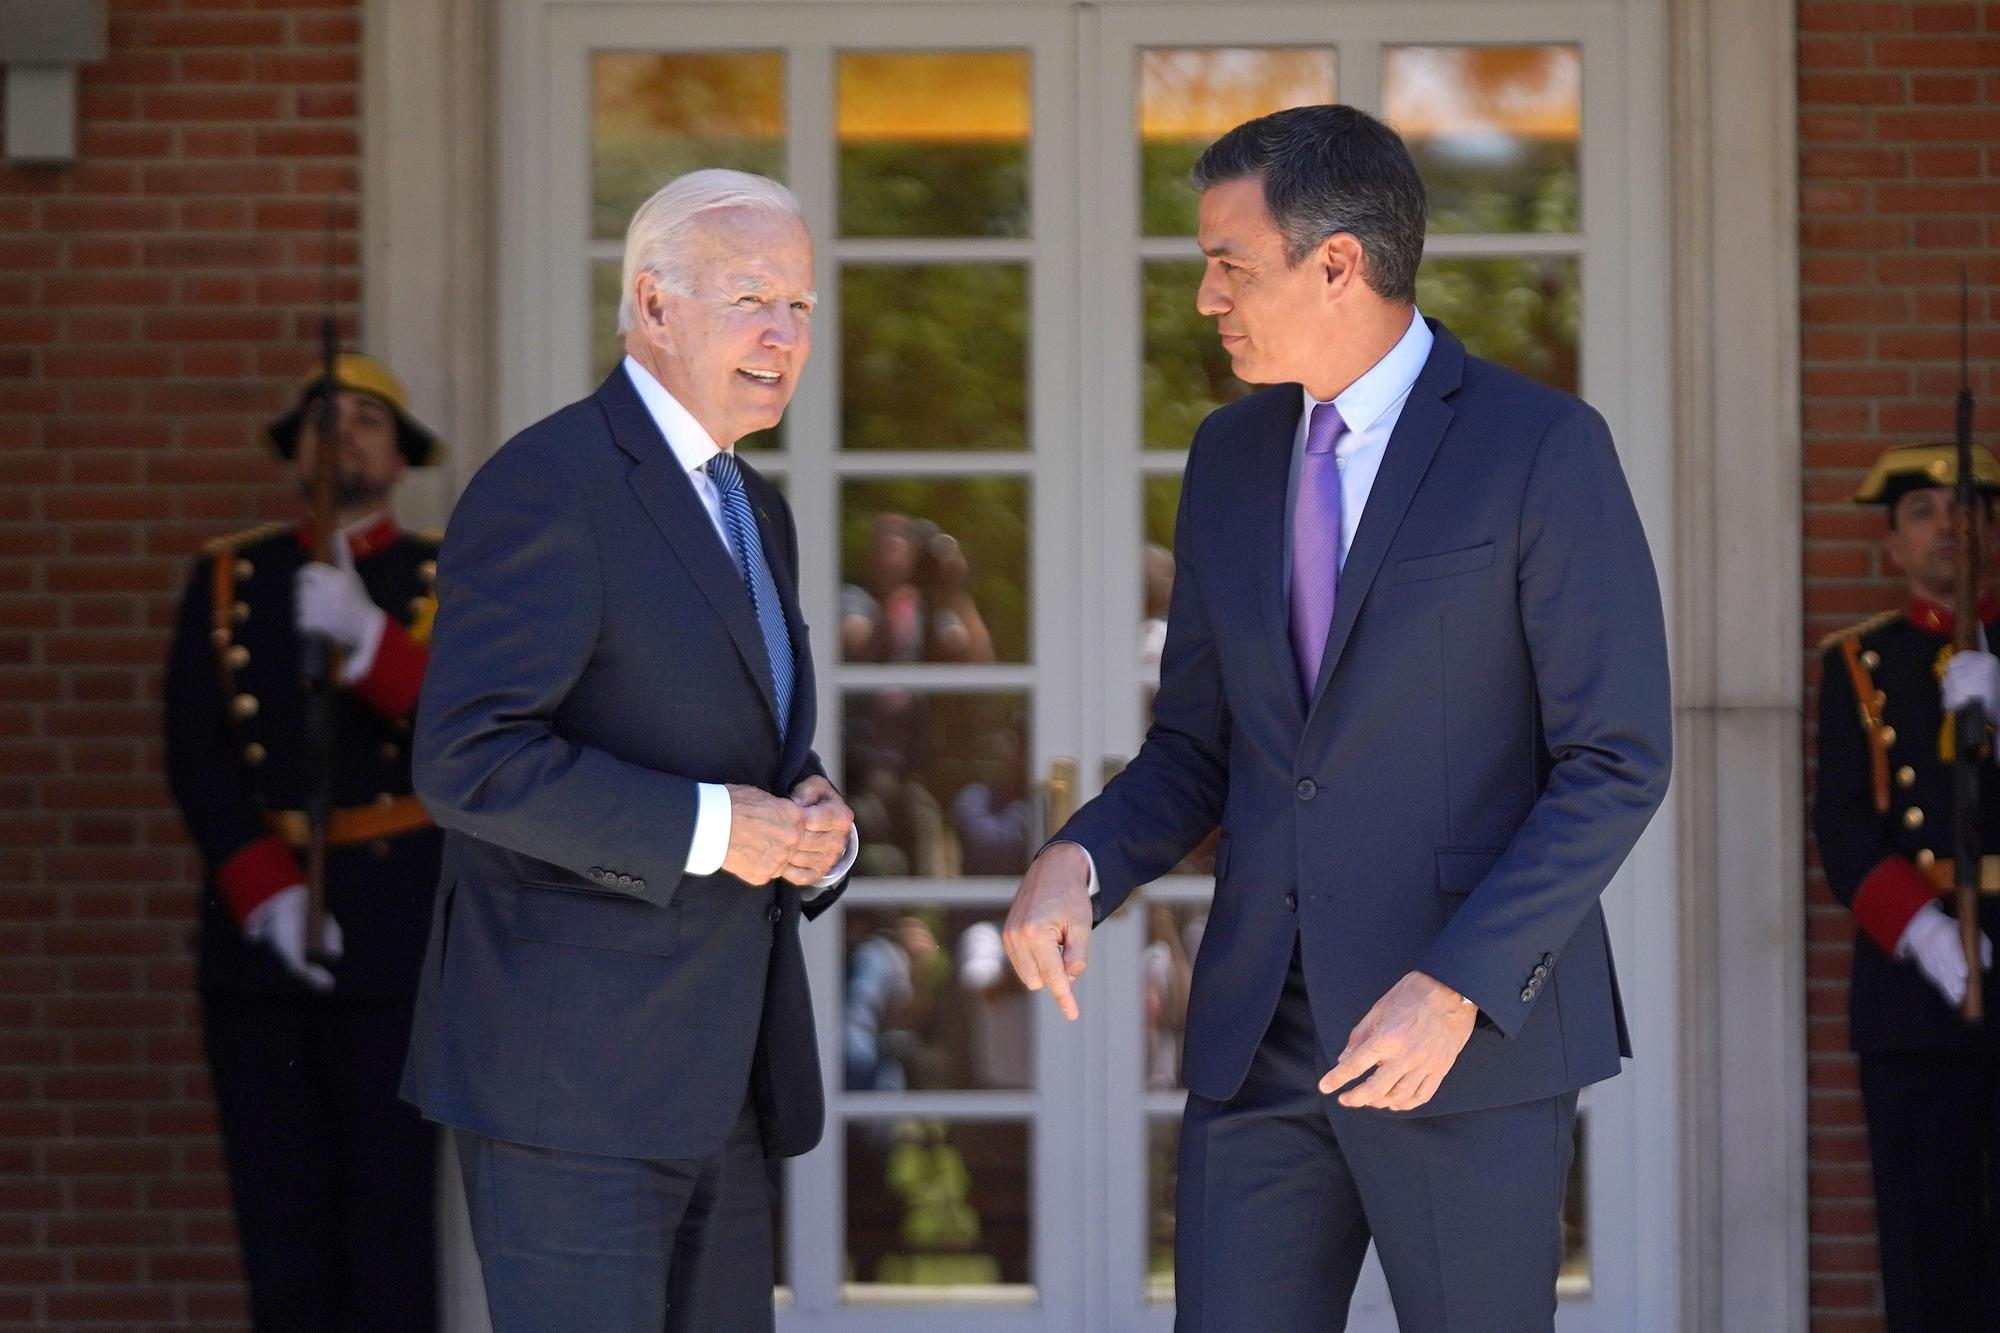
pixel 279 924
pixel 330 601
pixel 1931 942
pixel 1970 676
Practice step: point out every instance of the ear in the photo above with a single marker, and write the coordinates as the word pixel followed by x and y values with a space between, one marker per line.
pixel 1340 259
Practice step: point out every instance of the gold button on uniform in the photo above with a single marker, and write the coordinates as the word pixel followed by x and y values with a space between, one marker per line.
pixel 1913 818
pixel 1871 659
pixel 238 657
pixel 253 754
pixel 1927 858
pixel 219 637
pixel 1906 776
pixel 1888 735
pixel 244 706
pixel 244 569
pixel 240 612
pixel 428 571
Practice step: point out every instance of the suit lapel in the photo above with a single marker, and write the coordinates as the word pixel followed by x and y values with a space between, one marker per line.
pixel 1267 476
pixel 669 499
pixel 764 501
pixel 1407 458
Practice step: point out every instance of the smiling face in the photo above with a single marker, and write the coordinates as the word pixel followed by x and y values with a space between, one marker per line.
pixel 731 348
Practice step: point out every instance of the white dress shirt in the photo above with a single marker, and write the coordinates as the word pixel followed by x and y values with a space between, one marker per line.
pixel 693 447
pixel 1370 407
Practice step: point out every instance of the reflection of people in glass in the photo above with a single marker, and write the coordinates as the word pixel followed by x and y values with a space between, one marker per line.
pixel 1157 570
pixel 878 994
pixel 1166 973
pixel 914 602
pixel 992 818
pixel 997 1016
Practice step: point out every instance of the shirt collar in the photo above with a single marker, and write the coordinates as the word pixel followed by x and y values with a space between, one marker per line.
pixel 1940 619
pixel 1385 383
pixel 691 444
pixel 365 536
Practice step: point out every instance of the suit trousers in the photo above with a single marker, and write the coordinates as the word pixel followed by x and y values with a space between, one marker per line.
pixel 570 1240
pixel 331 1173
pixel 1934 1137
pixel 1281 1188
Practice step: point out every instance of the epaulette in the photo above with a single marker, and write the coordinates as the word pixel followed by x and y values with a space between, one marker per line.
pixel 1868 626
pixel 236 541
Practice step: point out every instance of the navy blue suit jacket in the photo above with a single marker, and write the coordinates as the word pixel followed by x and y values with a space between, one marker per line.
pixel 595 657
pixel 1489 734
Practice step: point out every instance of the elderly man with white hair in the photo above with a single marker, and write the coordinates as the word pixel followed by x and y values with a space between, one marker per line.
pixel 616 735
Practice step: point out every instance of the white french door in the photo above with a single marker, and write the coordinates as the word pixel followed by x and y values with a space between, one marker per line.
pixel 983 459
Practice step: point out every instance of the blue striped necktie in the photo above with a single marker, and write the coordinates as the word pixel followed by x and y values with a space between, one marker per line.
pixel 741 525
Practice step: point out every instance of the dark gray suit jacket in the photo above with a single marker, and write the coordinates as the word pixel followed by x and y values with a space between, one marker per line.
pixel 595 657
pixel 1488 737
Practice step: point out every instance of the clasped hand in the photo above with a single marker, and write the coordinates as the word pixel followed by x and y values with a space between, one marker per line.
pixel 799 839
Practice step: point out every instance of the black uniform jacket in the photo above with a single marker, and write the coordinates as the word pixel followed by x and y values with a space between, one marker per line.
pixel 1883 824
pixel 235 719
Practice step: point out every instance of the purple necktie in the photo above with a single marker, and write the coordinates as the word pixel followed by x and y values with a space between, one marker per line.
pixel 1316 543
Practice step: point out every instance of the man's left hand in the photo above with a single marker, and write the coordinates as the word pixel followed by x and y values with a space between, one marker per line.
pixel 1411 1039
pixel 828 822
pixel 1971 676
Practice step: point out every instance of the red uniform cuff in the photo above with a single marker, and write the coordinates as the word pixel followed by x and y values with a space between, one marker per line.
pixel 256 873
pixel 1894 891
pixel 396 674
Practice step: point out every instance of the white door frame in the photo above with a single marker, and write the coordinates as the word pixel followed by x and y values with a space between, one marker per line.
pixel 1736 823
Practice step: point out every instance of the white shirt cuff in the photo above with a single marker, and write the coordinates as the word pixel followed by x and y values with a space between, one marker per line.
pixel 710 845
pixel 362 660
pixel 1088 860
pixel 839 872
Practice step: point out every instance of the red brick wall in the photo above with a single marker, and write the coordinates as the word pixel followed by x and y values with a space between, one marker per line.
pixel 1899 184
pixel 157 299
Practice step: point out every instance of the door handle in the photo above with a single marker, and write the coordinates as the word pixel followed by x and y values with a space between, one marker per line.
pixel 1058 796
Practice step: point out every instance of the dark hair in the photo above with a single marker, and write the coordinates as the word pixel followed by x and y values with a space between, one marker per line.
pixel 1329 169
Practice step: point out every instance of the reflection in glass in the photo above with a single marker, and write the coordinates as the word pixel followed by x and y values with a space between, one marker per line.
pixel 607 345
pixel 657 114
pixel 934 571
pixel 1162 500
pixel 1495 132
pixel 933 143
pixel 1166 968
pixel 934 356
pixel 1573 1278
pixel 1188 98
pixel 1187 372
pixel 931 1002
pixel 939 783
pixel 938 1204
pixel 1163 1141
pixel 1523 313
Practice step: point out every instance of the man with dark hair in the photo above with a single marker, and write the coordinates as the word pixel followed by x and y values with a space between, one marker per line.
pixel 1416 669
pixel 330 1173
pixel 1882 813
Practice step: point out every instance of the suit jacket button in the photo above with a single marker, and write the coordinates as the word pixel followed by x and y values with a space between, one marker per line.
pixel 1540 971
pixel 638 886
pixel 1307 789
pixel 1527 994
pixel 624 881
pixel 1548 959
pixel 1292 901
pixel 774 913
pixel 597 872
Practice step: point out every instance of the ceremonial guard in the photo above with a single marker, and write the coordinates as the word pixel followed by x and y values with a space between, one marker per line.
pixel 1930 1080
pixel 330 1172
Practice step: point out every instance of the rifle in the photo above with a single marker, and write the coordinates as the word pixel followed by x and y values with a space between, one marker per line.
pixel 320 657
pixel 1971 738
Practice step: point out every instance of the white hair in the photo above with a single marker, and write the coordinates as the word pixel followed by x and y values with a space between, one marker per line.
pixel 656 242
